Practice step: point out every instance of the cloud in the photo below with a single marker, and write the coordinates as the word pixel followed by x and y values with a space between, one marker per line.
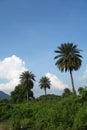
pixel 10 69
pixel 55 82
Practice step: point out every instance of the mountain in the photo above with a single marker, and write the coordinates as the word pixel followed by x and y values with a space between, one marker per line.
pixel 4 95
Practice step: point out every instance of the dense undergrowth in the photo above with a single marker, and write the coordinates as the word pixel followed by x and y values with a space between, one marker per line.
pixel 58 114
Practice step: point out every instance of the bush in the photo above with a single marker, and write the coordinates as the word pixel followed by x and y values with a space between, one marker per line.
pixel 64 114
pixel 80 122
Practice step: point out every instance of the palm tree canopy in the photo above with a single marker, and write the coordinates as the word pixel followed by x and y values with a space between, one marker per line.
pixel 44 83
pixel 68 57
pixel 27 79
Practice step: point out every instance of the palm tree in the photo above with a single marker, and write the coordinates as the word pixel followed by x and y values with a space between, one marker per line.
pixel 68 59
pixel 27 79
pixel 45 83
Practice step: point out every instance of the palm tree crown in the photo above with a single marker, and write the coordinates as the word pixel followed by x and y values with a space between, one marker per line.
pixel 44 83
pixel 68 59
pixel 27 78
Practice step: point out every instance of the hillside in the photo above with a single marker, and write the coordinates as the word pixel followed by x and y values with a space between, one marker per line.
pixel 4 95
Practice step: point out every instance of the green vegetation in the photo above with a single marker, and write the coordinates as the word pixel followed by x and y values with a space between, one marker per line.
pixel 55 113
pixel 66 92
pixel 65 112
pixel 68 59
pixel 27 79
pixel 45 83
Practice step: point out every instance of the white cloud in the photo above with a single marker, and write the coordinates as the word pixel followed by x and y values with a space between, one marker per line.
pixel 55 82
pixel 10 69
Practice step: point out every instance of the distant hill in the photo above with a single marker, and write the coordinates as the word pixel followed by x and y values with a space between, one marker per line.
pixel 49 97
pixel 4 95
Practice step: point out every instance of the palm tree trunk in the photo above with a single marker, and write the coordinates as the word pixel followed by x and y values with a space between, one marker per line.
pixel 72 81
pixel 27 91
pixel 45 93
pixel 27 96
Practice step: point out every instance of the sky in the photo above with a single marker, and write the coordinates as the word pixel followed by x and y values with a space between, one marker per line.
pixel 30 31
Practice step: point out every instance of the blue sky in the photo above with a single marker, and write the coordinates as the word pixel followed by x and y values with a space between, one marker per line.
pixel 30 31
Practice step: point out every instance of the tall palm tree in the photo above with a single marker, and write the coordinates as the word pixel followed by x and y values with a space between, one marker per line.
pixel 68 59
pixel 45 83
pixel 27 79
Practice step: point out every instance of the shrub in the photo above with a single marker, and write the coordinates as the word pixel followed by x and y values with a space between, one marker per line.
pixel 80 122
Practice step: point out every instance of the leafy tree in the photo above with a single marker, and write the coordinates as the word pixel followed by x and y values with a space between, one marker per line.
pixel 45 83
pixel 19 94
pixel 84 95
pixel 68 59
pixel 66 92
pixel 27 80
pixel 80 90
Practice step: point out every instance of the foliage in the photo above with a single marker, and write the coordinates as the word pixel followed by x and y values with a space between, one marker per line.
pixel 27 80
pixel 45 83
pixel 19 94
pixel 67 92
pixel 57 114
pixel 80 89
pixel 80 122
pixel 68 59
pixel 83 94
pixel 49 97
pixel 66 112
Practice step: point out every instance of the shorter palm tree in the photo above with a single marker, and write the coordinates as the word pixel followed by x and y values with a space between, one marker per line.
pixel 27 79
pixel 45 83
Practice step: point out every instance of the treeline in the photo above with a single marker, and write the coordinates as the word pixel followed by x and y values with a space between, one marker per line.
pixel 68 58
